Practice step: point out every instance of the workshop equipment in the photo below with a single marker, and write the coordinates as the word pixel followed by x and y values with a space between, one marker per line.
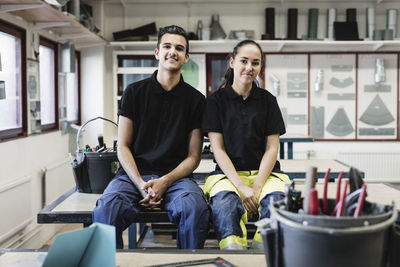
pixel 296 238
pixel 94 168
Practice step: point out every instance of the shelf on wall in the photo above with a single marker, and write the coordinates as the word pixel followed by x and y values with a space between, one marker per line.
pixel 224 46
pixel 44 16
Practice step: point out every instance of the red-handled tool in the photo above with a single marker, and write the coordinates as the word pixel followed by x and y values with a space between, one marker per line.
pixel 342 202
pixel 325 196
pixel 339 184
pixel 314 206
pixel 361 200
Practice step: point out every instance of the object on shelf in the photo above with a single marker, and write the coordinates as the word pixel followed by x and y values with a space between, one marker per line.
pixel 206 33
pixel 369 23
pixel 346 31
pixel 138 34
pixel 269 24
pixel 351 14
pixel 379 74
pixel 378 35
pixel 276 85
pixel 57 3
pixel 388 34
pixel 377 113
pixel 292 24
pixel 391 21
pixel 199 30
pixel 340 124
pixel 319 82
pixel 331 18
pixel 241 34
pixel 216 31
pixel 312 24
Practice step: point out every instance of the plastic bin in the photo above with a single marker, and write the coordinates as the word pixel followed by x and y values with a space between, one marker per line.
pixel 93 170
pixel 297 240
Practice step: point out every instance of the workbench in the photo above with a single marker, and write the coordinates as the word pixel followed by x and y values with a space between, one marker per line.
pixel 290 139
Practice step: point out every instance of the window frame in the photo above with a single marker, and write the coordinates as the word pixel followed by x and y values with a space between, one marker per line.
pixel 78 76
pixel 20 33
pixel 54 46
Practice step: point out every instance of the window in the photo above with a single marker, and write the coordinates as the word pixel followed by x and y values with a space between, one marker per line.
pixel 134 68
pixel 12 81
pixel 48 84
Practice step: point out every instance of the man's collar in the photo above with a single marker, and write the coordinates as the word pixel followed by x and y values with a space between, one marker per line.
pixel 159 89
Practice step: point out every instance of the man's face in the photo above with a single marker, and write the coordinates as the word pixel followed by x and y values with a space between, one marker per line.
pixel 171 52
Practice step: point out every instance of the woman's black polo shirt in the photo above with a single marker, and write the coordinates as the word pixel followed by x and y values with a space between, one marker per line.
pixel 244 124
pixel 162 121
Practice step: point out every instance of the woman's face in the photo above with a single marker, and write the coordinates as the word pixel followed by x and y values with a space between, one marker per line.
pixel 246 65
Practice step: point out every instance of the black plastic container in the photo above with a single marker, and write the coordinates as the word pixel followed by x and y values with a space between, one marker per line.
pixel 297 240
pixel 95 171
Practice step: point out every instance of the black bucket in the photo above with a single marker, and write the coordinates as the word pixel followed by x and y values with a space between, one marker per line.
pixel 93 171
pixel 291 239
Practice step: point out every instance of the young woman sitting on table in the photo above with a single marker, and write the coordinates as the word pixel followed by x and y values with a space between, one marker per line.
pixel 243 123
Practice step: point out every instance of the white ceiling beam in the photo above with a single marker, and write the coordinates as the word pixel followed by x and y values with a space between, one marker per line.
pixel 72 36
pixel 45 25
pixel 9 8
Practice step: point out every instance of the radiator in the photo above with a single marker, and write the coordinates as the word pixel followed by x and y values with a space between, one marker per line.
pixel 376 165
pixel 57 179
pixel 16 207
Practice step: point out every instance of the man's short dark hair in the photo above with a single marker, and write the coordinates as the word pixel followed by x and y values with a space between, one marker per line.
pixel 173 29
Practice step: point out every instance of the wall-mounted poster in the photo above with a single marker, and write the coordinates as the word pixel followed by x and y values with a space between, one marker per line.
pixel 286 77
pixel 333 96
pixel 33 95
pixel 377 96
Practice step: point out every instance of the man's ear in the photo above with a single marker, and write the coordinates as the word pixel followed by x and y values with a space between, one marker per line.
pixel 156 53
pixel 187 58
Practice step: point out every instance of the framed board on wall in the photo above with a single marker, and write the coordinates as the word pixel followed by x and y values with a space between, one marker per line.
pixel 333 96
pixel 286 77
pixel 377 96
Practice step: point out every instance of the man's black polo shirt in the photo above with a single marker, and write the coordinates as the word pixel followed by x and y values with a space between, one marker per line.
pixel 162 121
pixel 243 123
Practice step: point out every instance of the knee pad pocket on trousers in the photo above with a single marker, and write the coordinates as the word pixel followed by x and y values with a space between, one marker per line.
pixel 264 203
pixel 227 211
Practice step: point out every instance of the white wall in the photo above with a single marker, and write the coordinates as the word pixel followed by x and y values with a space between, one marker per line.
pixel 27 156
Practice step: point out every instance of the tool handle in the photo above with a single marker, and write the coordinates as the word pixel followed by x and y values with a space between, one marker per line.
pixel 342 202
pixel 311 177
pixel 314 206
pixel 361 200
pixel 339 184
pixel 325 196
